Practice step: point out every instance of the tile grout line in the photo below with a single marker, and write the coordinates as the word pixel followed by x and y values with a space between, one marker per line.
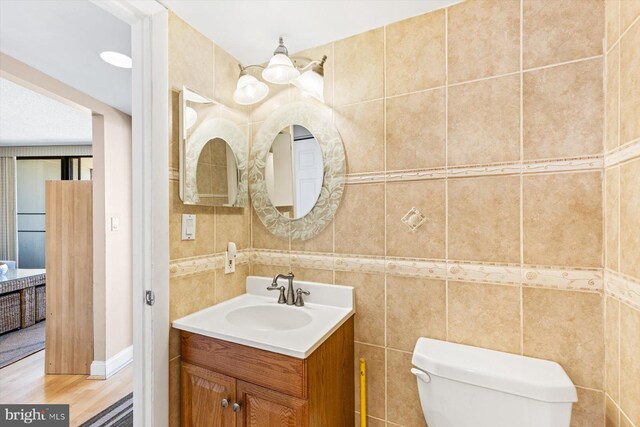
pixel 446 162
pixel 521 180
pixel 385 205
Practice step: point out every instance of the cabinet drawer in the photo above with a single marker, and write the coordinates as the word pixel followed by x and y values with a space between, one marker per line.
pixel 272 370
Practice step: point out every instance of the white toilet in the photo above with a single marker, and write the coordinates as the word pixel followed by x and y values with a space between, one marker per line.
pixel 464 386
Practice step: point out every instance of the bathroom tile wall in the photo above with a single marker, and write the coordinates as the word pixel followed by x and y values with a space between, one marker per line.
pixel 622 213
pixel 197 63
pixel 488 118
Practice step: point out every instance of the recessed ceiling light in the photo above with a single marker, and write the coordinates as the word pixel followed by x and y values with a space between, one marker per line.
pixel 116 59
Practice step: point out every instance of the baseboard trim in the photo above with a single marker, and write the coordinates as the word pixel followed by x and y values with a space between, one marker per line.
pixel 104 369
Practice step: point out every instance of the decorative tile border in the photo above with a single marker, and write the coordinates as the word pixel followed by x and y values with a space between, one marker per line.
pixel 581 279
pixel 417 268
pixel 196 265
pixel 622 154
pixel 174 174
pixel 572 279
pixel 514 168
pixel 487 273
pixel 622 287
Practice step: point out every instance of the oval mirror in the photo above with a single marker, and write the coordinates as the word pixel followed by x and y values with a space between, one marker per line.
pixel 294 171
pixel 217 175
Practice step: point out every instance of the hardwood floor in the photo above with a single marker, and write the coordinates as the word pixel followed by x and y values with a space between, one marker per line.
pixel 26 382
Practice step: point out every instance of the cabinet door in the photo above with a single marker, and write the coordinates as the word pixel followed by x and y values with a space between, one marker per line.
pixel 202 394
pixel 261 407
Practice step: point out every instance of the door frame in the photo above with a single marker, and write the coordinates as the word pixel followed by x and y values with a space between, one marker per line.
pixel 150 204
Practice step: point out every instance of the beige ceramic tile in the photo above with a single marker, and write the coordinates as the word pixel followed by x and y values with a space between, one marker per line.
pixel 426 241
pixel 376 388
pixel 629 12
pixel 630 85
pixel 313 274
pixel 484 219
pixel 612 21
pixel 611 342
pixel 416 130
pixel 612 415
pixel 174 142
pixel 232 225
pixel 204 242
pixel 359 221
pixel 189 294
pixel 557 31
pixel 267 270
pixel 323 242
pixel 612 102
pixel 612 219
pixel 485 315
pixel 402 393
pixel 359 68
pixel 362 129
pixel 630 218
pixel 484 39
pixel 227 73
pixel 262 238
pixel 563 110
pixel 174 392
pixel 191 58
pixel 588 411
pixel 317 53
pixel 624 421
pixel 415 50
pixel 371 422
pixel 566 327
pixel 484 121
pixel 231 285
pixel 563 219
pixel 369 319
pixel 415 308
pixel 630 362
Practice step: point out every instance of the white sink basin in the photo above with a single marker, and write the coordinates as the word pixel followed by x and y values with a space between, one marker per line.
pixel 256 319
pixel 269 317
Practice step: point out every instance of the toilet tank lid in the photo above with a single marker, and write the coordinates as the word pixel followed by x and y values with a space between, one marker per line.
pixel 523 376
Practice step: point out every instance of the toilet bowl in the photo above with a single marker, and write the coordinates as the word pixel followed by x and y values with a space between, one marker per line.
pixel 464 386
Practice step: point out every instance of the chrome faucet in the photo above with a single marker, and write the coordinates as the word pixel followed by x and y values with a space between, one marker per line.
pixel 290 298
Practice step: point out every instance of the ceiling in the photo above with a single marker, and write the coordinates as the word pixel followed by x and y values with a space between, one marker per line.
pixel 63 38
pixel 249 29
pixel 30 118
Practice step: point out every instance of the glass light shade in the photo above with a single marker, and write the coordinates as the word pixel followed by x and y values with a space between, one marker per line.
pixel 280 70
pixel 311 83
pixel 249 90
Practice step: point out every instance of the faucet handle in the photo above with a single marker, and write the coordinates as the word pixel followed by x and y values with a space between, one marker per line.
pixel 281 299
pixel 299 301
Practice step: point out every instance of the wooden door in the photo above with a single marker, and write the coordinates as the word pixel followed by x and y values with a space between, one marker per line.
pixel 261 407
pixel 69 264
pixel 202 394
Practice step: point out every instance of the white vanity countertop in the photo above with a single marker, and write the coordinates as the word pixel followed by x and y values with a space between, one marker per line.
pixel 325 310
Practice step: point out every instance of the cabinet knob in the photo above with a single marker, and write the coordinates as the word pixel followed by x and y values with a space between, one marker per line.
pixel 236 407
pixel 224 403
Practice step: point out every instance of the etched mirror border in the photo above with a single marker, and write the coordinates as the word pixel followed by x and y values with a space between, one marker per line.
pixel 318 120
pixel 211 128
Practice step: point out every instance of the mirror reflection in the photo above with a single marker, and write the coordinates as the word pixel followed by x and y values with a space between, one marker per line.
pixel 217 174
pixel 294 171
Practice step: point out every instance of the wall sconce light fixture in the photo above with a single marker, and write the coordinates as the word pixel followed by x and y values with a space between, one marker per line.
pixel 281 70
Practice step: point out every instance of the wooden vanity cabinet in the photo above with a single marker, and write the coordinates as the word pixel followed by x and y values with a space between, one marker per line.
pixel 270 389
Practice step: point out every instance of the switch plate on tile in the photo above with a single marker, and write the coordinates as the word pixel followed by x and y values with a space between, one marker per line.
pixel 188 227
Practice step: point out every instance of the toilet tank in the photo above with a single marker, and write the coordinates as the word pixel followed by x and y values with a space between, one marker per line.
pixel 464 386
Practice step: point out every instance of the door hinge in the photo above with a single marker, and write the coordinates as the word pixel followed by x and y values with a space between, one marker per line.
pixel 150 297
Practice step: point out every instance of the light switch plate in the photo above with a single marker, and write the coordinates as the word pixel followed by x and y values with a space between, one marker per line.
pixel 188 227
pixel 115 223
